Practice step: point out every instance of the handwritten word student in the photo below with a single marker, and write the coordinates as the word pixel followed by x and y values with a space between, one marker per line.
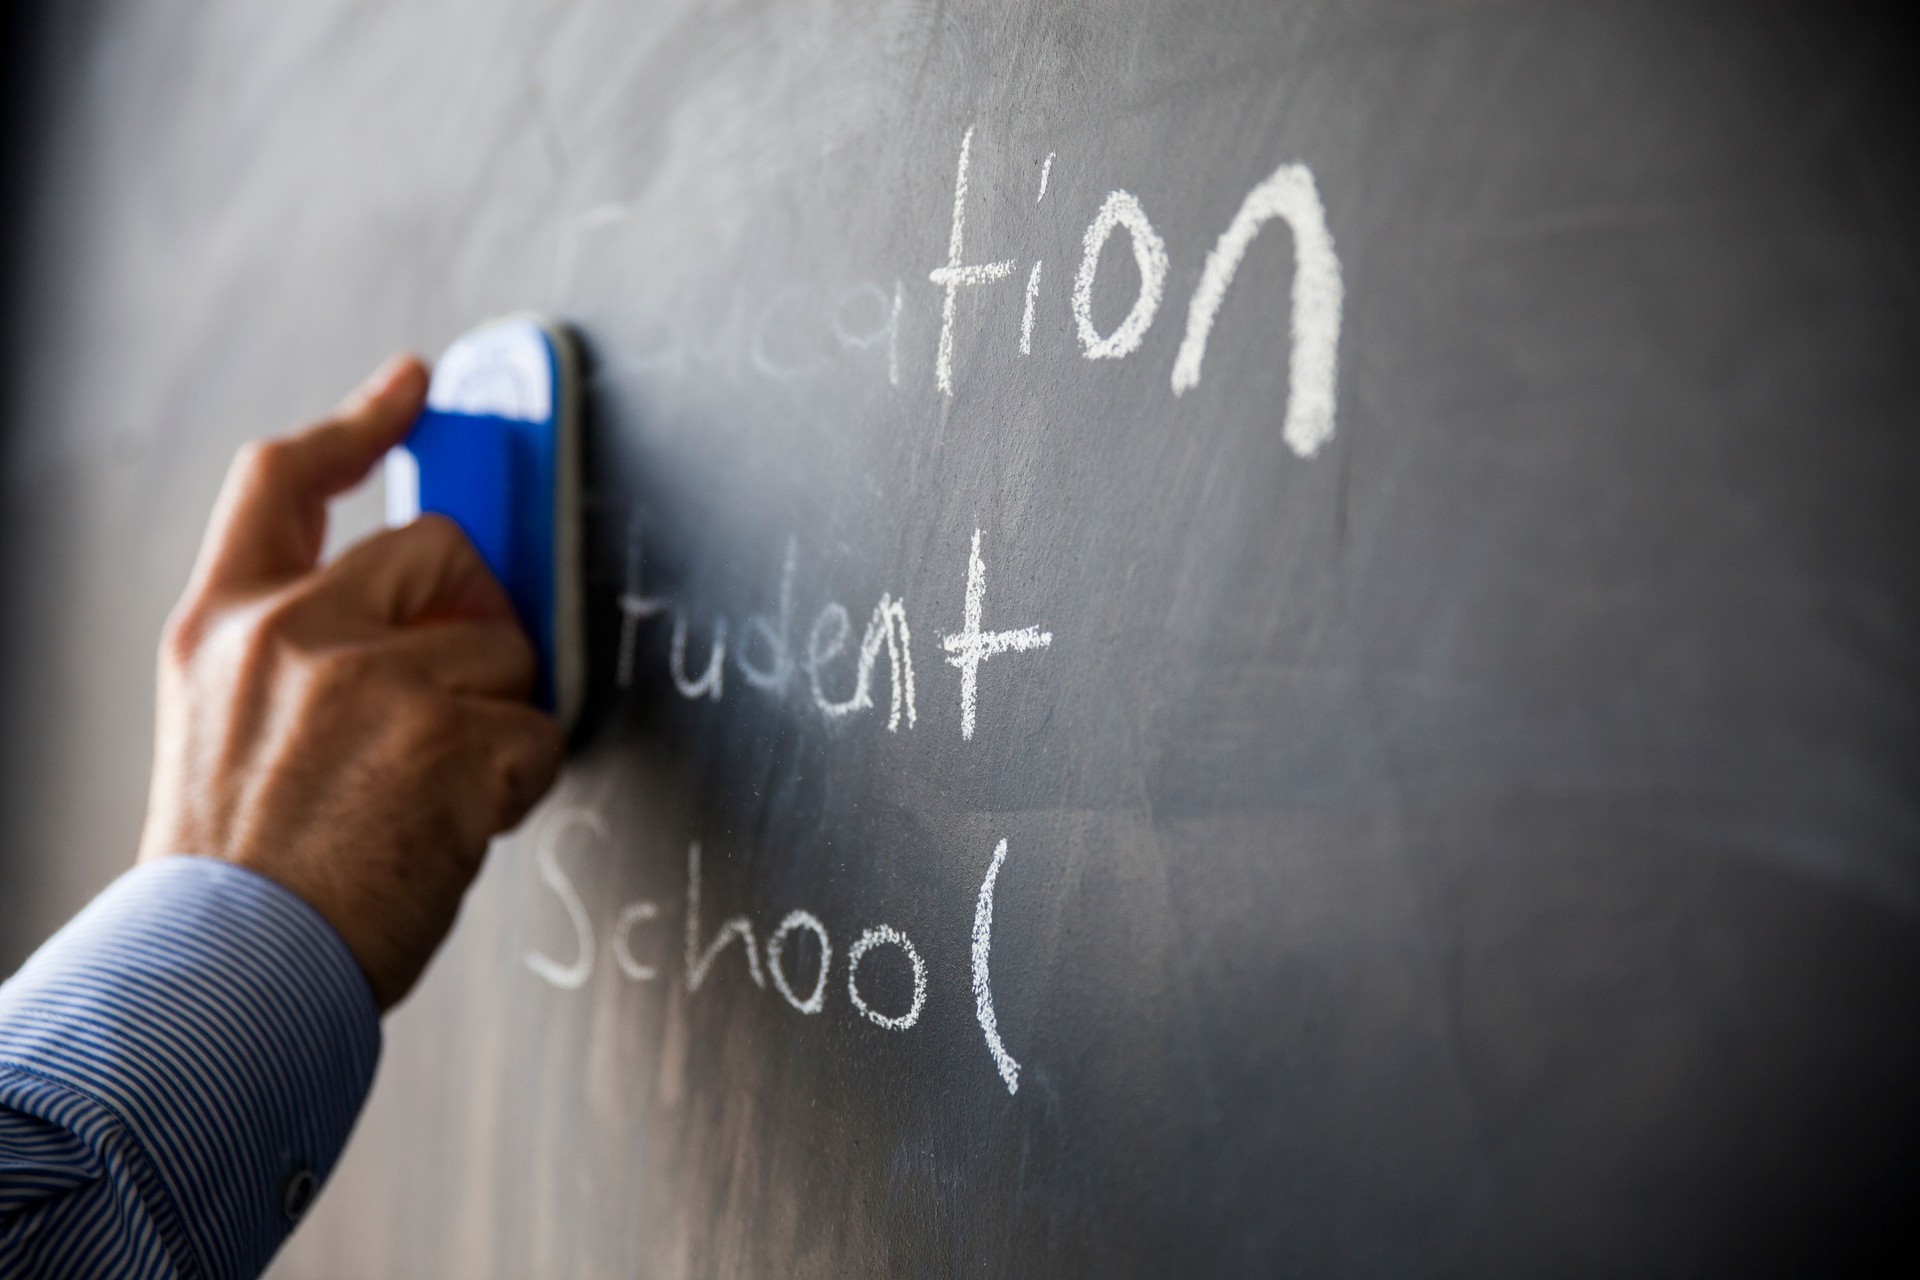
pixel 180 1065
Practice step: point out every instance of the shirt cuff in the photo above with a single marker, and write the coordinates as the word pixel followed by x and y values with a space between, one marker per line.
pixel 221 1023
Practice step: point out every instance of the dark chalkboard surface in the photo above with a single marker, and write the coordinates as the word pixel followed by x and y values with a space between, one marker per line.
pixel 1227 640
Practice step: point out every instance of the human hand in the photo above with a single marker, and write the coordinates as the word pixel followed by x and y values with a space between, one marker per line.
pixel 356 731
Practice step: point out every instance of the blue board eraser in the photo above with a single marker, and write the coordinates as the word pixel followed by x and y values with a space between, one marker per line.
pixel 497 451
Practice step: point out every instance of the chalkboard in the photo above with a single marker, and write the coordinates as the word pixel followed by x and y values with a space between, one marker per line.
pixel 1249 639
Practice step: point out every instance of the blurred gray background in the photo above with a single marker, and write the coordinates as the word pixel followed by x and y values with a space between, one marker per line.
pixel 1492 847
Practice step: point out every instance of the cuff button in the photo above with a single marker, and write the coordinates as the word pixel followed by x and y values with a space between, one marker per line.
pixel 297 1192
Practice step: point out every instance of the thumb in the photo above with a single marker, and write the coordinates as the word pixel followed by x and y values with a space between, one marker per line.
pixel 271 518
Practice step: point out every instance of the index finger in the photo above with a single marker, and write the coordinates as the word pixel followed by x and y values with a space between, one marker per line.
pixel 271 517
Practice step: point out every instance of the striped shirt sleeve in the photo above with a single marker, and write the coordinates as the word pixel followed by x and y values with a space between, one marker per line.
pixel 179 1069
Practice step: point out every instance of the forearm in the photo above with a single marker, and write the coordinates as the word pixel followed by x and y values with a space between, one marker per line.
pixel 179 1068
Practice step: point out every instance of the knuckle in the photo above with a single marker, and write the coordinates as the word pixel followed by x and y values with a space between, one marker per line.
pixel 259 642
pixel 264 638
pixel 431 726
pixel 263 462
pixel 441 536
pixel 343 668
pixel 504 789
pixel 510 794
pixel 523 664
pixel 547 744
pixel 275 621
pixel 524 767
pixel 247 459
pixel 183 634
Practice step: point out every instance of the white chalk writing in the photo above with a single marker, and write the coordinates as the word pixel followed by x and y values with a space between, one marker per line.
pixel 1149 255
pixel 957 273
pixel 1313 372
pixel 982 981
pixel 886 935
pixel 970 646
